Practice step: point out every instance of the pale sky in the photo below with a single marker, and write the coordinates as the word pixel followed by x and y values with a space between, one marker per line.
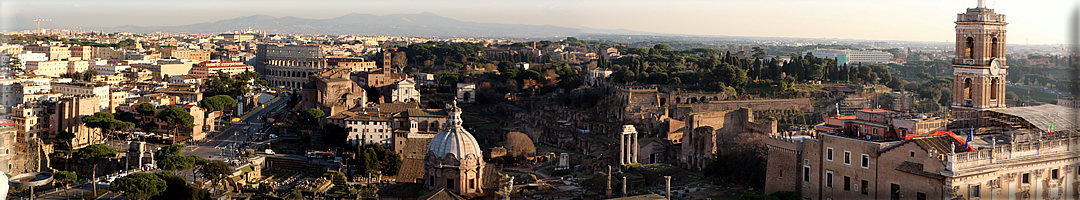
pixel 1030 21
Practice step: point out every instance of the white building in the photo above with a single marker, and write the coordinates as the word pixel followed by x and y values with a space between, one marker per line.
pixel 847 56
pixel 99 91
pixel 188 79
pixel 369 128
pixel 109 69
pixel 405 91
pixel 47 68
pixel 597 76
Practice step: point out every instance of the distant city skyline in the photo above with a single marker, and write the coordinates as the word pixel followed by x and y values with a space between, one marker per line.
pixel 1030 22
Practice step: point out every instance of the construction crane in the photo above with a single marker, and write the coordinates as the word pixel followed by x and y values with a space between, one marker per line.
pixel 39 20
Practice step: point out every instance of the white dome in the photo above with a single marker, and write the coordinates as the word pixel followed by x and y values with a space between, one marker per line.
pixel 453 139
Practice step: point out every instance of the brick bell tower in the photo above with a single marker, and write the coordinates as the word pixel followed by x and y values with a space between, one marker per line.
pixel 979 68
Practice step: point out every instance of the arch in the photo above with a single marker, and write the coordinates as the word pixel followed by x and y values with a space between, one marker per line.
pixel 994 48
pixel 703 99
pixel 678 100
pixel 994 88
pixel 967 88
pixel 663 101
pixel 970 47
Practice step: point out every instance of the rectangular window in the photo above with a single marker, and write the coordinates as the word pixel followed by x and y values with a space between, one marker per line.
pixel 912 154
pixel 781 173
pixel 847 157
pixel 1025 179
pixel 920 196
pixel 847 183
pixel 974 190
pixel 894 191
pixel 865 161
pixel 806 173
pixel 828 179
pixel 828 155
pixel 1054 174
pixel 865 187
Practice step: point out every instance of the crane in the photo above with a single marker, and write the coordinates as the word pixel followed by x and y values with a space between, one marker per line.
pixel 39 20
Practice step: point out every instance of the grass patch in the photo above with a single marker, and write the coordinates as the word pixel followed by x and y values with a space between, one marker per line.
pixel 1035 94
pixel 545 148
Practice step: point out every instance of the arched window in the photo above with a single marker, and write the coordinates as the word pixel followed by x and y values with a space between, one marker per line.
pixel 994 89
pixel 967 88
pixel 970 47
pixel 994 48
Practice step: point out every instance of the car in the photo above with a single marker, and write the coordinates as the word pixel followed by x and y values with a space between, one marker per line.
pixel 270 152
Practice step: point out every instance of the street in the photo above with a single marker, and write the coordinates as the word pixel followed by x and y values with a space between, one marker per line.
pixel 218 146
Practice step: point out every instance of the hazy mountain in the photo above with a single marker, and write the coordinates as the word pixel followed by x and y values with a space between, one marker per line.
pixel 423 24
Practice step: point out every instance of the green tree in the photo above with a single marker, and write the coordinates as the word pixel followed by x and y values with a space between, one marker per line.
pixel 106 123
pixel 312 114
pixel 139 185
pixel 64 178
pixel 95 152
pixel 146 109
pixel 177 188
pixel 216 171
pixel 65 137
pixel 217 102
pixel 177 116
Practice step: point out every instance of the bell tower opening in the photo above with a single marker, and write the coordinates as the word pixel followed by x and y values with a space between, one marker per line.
pixel 994 89
pixel 994 48
pixel 967 88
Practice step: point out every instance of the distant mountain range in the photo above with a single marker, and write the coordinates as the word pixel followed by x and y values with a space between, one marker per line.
pixel 417 25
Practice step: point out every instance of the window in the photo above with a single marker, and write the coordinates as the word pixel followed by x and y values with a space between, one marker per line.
pixel 920 196
pixel 847 183
pixel 472 184
pixel 847 157
pixel 828 156
pixel 894 191
pixel 865 187
pixel 865 161
pixel 1054 174
pixel 974 190
pixel 806 173
pixel 913 154
pixel 828 179
pixel 781 173
pixel 1025 179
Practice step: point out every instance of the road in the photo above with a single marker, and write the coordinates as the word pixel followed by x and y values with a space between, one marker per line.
pixel 218 146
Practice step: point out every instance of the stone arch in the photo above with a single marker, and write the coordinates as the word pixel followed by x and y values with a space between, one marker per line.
pixel 678 100
pixel 663 101
pixel 702 99
pixel 691 100
pixel 967 88
pixel 994 84
pixel 994 48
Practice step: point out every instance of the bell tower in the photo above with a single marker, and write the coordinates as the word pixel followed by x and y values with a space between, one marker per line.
pixel 979 68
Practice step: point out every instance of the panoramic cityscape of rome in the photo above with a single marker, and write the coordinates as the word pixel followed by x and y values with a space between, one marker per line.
pixel 560 100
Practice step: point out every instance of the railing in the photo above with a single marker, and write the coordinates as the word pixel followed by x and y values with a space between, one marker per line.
pixel 1008 152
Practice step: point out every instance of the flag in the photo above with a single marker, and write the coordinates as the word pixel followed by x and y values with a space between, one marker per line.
pixel 971 134
pixel 1051 131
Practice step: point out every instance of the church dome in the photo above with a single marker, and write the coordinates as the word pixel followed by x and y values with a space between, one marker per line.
pixel 453 140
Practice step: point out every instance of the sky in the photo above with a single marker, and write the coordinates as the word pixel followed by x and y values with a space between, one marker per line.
pixel 1030 21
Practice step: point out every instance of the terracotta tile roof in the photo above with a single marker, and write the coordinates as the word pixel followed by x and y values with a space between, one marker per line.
pixel 397 107
pixel 416 112
pixel 402 191
pixel 917 169
pixel 440 194
pixel 412 161
pixel 940 144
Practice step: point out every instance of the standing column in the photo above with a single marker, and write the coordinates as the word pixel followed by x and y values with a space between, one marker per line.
pixel 635 148
pixel 622 148
pixel 667 180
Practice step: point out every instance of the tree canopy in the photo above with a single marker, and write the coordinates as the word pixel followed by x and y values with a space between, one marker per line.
pixel 139 185
pixel 312 114
pixel 147 109
pixel 106 123
pixel 217 102
pixel 95 151
pixel 178 116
